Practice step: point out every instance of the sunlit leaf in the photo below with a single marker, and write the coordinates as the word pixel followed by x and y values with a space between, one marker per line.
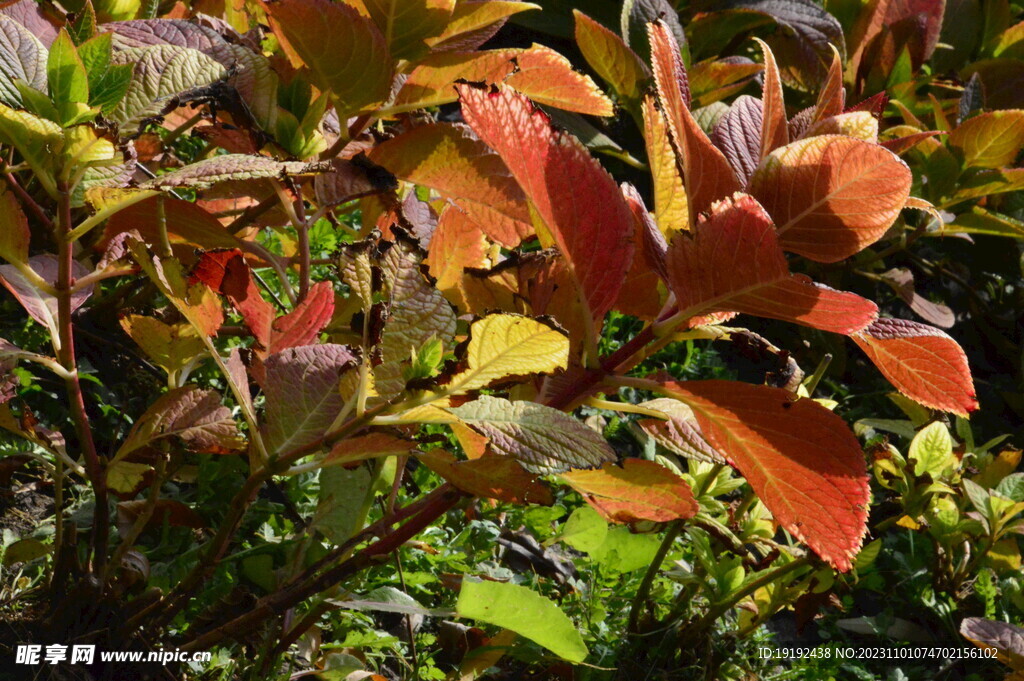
pixel 831 196
pixel 542 439
pixel 638 490
pixel 732 261
pixel 607 54
pixel 503 346
pixel 582 210
pixel 922 362
pixel 190 414
pixel 800 458
pixel 523 611
pixel 407 24
pixel 990 140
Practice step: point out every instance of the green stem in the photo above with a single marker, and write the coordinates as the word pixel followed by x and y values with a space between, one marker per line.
pixel 640 599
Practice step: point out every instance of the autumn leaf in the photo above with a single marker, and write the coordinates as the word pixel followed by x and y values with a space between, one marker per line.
pixel 39 305
pixel 706 173
pixel 738 135
pixel 732 261
pixel 800 458
pixel 301 386
pixel 344 51
pixel 990 140
pixel 538 72
pixel 774 127
pixel 579 203
pixel 449 159
pixel 474 21
pixel 544 440
pixel 306 320
pixel 190 414
pixel 670 202
pixel 503 346
pixel 407 24
pixel 369 446
pixel 679 432
pixel 638 490
pixel 170 346
pixel 922 362
pixel 14 232
pixel 831 196
pixel 458 244
pixel 489 477
pixel 609 55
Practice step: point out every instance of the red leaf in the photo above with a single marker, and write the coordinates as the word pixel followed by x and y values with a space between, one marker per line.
pixel 832 97
pixel 578 200
pixel 226 272
pixel 185 221
pixel 639 490
pixel 922 362
pixel 304 323
pixel 732 261
pixel 706 172
pixel 458 244
pixel 800 458
pixel 639 295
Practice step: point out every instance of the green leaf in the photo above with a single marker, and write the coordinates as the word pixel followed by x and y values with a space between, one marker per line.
pixel 406 24
pixel 345 498
pixel 623 551
pixel 24 551
pixel 67 78
pixel 36 139
pixel 585 530
pixel 932 451
pixel 84 25
pixel 542 439
pixel 519 609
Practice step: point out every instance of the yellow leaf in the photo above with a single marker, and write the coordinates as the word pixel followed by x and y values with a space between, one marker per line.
pixel 909 523
pixel 504 345
pixel 170 346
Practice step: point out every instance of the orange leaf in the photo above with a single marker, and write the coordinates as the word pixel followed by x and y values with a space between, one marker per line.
pixel 922 362
pixel 609 55
pixel 800 458
pixel 458 244
pixel 732 261
pixel 639 490
pixel 831 196
pixel 706 172
pixel 489 477
pixel 447 158
pixel 343 50
pixel 578 200
pixel 774 128
pixel 639 295
pixel 186 222
pixel 832 98
pixel 538 72
pixel 369 446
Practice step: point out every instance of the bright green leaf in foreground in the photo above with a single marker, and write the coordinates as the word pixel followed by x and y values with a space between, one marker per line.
pixel 528 614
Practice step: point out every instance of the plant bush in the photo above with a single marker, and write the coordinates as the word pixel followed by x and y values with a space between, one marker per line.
pixel 358 340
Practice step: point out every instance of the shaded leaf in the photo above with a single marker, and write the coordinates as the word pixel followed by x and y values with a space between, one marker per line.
pixel 774 127
pixel 922 362
pixel 1007 639
pixel 732 262
pixel 799 457
pixel 302 393
pixel 582 209
pixel 407 24
pixel 831 196
pixel 738 135
pixel 542 439
pixel 902 281
pixel 14 232
pixel 474 21
pixel 169 346
pixel 370 446
pixel 638 490
pixel 190 414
